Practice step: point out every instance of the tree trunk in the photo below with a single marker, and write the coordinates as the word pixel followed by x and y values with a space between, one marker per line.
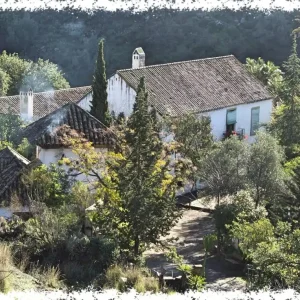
pixel 136 246
pixel 218 231
pixel 257 197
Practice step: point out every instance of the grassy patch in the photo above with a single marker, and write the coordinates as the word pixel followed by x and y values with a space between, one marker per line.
pixel 121 278
pixel 6 273
pixel 49 276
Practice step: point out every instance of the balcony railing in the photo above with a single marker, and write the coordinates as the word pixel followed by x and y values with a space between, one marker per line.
pixel 239 133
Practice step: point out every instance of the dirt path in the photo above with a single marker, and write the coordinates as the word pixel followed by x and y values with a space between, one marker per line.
pixel 189 233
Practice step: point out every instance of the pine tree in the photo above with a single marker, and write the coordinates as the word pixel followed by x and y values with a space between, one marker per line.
pixel 99 107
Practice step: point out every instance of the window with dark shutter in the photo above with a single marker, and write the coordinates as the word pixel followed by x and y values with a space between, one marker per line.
pixel 230 120
pixel 254 120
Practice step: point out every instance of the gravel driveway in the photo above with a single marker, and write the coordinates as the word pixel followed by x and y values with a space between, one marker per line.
pixel 189 232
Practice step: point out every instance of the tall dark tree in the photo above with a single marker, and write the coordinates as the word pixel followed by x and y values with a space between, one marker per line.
pixel 99 107
pixel 140 187
pixel 286 121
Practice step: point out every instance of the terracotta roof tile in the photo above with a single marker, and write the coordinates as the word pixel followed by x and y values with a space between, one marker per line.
pixel 197 85
pixel 12 164
pixel 67 121
pixel 46 102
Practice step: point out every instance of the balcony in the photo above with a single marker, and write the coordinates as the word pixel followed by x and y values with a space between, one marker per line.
pixel 239 133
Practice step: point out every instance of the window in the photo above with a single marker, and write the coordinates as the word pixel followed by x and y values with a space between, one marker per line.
pixel 230 120
pixel 254 120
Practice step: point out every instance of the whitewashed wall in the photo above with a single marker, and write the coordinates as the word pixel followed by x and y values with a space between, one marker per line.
pixel 52 156
pixel 243 118
pixel 121 96
pixel 85 103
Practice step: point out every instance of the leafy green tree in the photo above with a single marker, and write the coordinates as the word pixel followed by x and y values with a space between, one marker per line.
pixel 26 149
pixel 15 68
pixel 286 121
pixel 47 185
pixel 240 205
pixel 4 83
pixel 274 251
pixel 267 72
pixel 99 108
pixel 287 205
pixel 40 76
pixel 265 171
pixel 4 144
pixel 10 126
pixel 194 138
pixel 224 171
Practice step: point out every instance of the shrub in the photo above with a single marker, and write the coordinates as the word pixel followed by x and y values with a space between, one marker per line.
pixel 11 230
pixel 48 185
pixel 49 276
pixel 134 277
pixel 139 285
pixel 127 278
pixel 52 277
pixel 5 256
pixel 152 285
pixel 78 274
pixel 242 205
pixel 194 281
pixel 114 275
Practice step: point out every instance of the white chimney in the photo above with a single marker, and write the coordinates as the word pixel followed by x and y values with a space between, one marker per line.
pixel 138 58
pixel 26 105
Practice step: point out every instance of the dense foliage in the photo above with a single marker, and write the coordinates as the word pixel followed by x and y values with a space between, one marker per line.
pixel 18 74
pixel 274 251
pixel 138 181
pixel 134 186
pixel 99 105
pixel 69 38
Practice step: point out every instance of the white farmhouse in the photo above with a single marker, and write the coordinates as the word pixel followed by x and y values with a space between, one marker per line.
pixel 218 87
pixel 50 135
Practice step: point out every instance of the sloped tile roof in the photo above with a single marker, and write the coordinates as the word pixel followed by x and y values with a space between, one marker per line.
pixel 12 164
pixel 67 121
pixel 46 102
pixel 197 85
pixel 8 155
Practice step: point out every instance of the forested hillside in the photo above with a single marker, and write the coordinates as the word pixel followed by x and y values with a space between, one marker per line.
pixel 69 38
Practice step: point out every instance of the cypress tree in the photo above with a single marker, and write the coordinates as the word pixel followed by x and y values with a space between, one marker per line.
pixel 99 107
pixel 141 190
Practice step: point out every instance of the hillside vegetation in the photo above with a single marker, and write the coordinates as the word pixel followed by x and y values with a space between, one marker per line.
pixel 69 38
